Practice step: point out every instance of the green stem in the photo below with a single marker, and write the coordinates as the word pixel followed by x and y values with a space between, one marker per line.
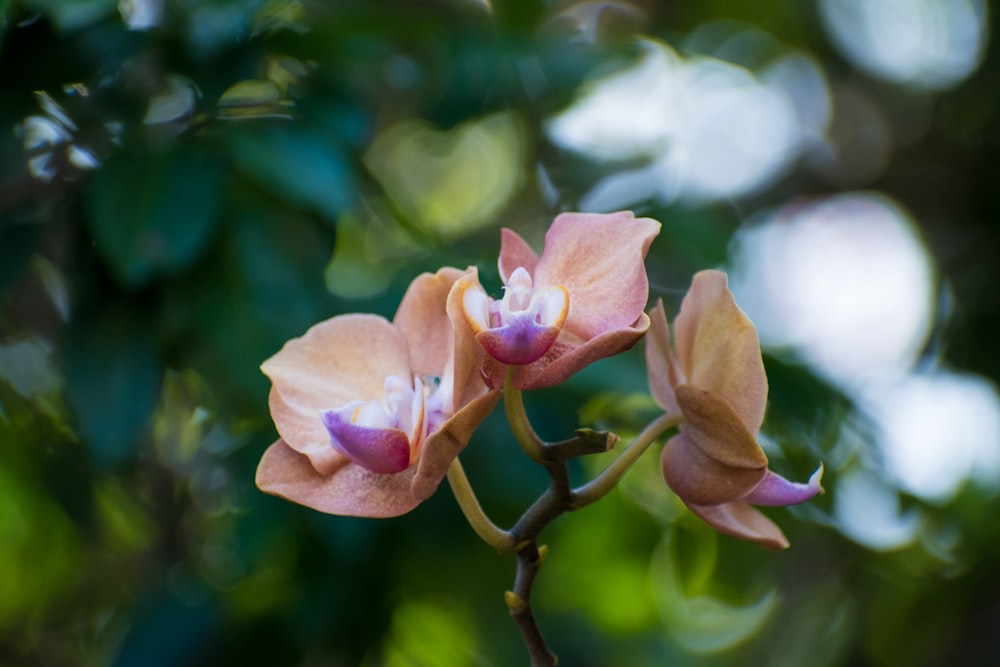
pixel 489 532
pixel 559 498
pixel 513 403
pixel 601 485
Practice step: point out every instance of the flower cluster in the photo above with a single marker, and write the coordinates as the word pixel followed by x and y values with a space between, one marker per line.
pixel 372 413
pixel 714 377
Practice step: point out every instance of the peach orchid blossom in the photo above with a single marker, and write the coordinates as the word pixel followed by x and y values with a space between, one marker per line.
pixel 371 413
pixel 581 301
pixel 714 376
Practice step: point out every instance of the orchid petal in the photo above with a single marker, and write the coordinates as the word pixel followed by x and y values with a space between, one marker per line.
pixel 514 253
pixel 349 490
pixel 476 307
pixel 599 259
pixel 700 479
pixel 337 361
pixel 379 449
pixel 443 445
pixel 569 354
pixel 345 460
pixel 740 520
pixel 301 425
pixel 468 355
pixel 775 490
pixel 718 350
pixel 424 322
pixel 660 363
pixel 716 428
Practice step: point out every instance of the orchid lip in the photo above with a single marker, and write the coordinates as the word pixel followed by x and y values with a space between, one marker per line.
pixel 378 449
pixel 775 490
pixel 387 437
pixel 518 343
pixel 522 326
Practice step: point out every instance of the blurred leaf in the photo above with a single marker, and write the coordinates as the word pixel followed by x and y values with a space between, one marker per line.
pixel 254 99
pixel 40 555
pixel 597 565
pixel 263 286
pixel 27 366
pixel 17 242
pixel 125 527
pixel 430 632
pixel 277 14
pixel 450 182
pixel 702 623
pixel 74 14
pixel 113 377
pixel 296 165
pixel 171 633
pixel 367 255
pixel 153 215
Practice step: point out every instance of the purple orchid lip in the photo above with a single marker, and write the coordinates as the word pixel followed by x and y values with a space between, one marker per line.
pixel 519 342
pixel 520 328
pixel 774 490
pixel 378 449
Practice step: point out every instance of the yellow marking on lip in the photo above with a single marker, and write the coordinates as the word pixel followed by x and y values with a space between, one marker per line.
pixel 477 327
pixel 564 313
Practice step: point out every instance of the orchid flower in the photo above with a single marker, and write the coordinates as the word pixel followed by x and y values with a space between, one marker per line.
pixel 371 413
pixel 714 376
pixel 581 301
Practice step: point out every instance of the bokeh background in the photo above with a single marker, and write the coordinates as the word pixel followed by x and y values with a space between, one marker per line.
pixel 186 185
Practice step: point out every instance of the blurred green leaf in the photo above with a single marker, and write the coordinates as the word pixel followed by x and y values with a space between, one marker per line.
pixel 451 182
pixel 17 241
pixel 40 548
pixel 74 14
pixel 124 524
pixel 700 622
pixel 367 255
pixel 430 632
pixel 597 566
pixel 113 375
pixel 254 99
pixel 263 285
pixel 296 165
pixel 154 214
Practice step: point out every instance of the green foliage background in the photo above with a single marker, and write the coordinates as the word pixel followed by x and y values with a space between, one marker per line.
pixel 251 168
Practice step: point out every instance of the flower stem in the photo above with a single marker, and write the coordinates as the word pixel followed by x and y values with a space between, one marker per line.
pixel 557 499
pixel 601 485
pixel 518 602
pixel 489 532
pixel 513 403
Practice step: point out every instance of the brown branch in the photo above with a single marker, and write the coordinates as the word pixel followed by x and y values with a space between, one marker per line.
pixel 529 559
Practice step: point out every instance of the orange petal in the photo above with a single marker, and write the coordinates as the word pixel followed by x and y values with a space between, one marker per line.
pixel 442 446
pixel 304 426
pixel 716 428
pixel 350 490
pixel 660 362
pixel 599 258
pixel 742 521
pixel 569 355
pixel 700 479
pixel 466 369
pixel 718 350
pixel 423 319
pixel 514 253
pixel 342 359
